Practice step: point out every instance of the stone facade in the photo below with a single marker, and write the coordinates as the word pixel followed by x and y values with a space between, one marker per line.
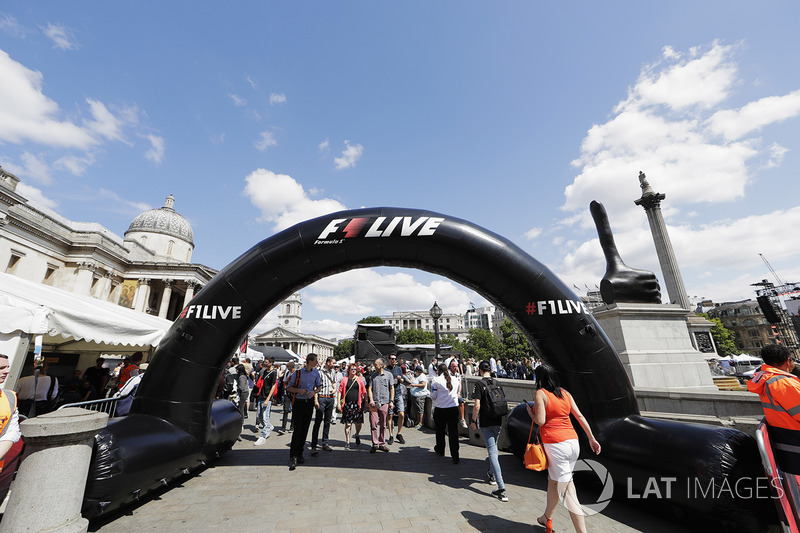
pixel 751 329
pixel 149 270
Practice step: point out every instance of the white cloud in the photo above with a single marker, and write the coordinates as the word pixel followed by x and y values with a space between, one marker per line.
pixel 674 125
pixel 11 26
pixel 251 82
pixel 365 292
pixel 329 329
pixel 104 123
pixel 156 151
pixel 532 233
pixel 238 101
pixel 28 115
pixel 36 168
pixel 74 164
pixel 698 78
pixel 265 140
pixel 277 98
pixel 324 145
pixel 283 201
pixel 736 123
pixel 62 37
pixel 32 193
pixel 350 155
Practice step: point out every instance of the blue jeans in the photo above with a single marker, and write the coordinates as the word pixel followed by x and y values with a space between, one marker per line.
pixel 323 414
pixel 490 435
pixel 262 415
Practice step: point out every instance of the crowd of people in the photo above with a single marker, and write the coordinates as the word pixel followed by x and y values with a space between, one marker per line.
pixel 390 395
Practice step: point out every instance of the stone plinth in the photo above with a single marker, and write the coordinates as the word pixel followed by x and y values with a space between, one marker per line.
pixel 48 491
pixel 654 345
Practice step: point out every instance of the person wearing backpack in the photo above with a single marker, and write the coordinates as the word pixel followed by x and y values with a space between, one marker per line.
pixel 487 413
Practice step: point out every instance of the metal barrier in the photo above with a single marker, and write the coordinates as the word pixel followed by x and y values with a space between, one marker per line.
pixel 103 405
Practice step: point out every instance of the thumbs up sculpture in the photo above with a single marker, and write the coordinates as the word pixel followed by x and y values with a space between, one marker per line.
pixel 621 283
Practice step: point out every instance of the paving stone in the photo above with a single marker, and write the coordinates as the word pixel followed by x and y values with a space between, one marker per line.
pixel 409 489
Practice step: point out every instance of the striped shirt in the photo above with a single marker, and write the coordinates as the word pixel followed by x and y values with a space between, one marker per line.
pixel 328 380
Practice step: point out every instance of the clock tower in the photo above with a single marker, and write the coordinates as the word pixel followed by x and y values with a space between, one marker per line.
pixel 290 314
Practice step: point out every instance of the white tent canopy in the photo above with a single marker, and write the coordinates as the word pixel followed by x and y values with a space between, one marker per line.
pixel 68 321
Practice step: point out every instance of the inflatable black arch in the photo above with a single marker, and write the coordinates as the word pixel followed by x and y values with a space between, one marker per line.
pixel 175 425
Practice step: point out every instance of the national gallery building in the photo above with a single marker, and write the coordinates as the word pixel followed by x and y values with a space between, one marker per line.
pixel 149 269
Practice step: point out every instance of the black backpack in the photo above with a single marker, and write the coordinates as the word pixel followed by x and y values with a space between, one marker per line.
pixel 230 380
pixel 495 404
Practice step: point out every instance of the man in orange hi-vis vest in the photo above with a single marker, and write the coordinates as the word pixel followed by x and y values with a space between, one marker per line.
pixel 779 391
pixel 9 416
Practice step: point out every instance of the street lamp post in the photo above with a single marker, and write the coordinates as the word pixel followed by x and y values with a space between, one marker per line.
pixel 436 314
pixel 514 337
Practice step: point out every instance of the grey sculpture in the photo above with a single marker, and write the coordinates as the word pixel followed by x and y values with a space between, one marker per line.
pixel 621 283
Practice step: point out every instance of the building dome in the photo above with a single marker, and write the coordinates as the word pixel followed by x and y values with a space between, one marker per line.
pixel 164 220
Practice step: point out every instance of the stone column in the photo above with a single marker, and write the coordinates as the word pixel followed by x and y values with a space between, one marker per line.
pixel 165 297
pixel 48 492
pixel 651 202
pixel 84 277
pixel 190 285
pixel 142 295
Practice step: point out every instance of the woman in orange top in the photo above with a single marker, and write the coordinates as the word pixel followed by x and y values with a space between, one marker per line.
pixel 551 412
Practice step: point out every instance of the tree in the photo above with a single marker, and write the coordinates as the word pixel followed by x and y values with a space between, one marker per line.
pixel 723 337
pixel 482 344
pixel 513 349
pixel 452 340
pixel 371 320
pixel 415 336
pixel 344 349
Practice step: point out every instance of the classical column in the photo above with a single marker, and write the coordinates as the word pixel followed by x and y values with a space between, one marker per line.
pixel 165 297
pixel 190 285
pixel 108 286
pixel 142 295
pixel 85 276
pixel 651 202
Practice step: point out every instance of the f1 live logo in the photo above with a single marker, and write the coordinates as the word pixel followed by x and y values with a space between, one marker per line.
pixel 336 230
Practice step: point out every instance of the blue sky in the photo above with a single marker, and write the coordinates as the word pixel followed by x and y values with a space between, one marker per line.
pixel 512 115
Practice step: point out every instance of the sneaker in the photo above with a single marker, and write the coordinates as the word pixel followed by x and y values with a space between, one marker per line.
pixel 383 448
pixel 314 451
pixel 358 440
pixel 390 441
pixel 492 480
pixel 327 448
pixel 260 441
pixel 500 495
pixel 300 460
pixel 418 426
pixel 292 463
pixel 463 424
pixel 400 439
pixel 373 449
pixel 291 429
pixel 347 446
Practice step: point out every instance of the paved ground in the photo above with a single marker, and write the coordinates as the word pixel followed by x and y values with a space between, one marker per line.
pixel 408 489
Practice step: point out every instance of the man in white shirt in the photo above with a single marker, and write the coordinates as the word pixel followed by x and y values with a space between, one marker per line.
pixel 419 391
pixel 432 369
pixel 45 394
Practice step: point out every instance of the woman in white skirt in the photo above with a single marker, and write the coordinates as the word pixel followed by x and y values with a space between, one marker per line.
pixel 552 408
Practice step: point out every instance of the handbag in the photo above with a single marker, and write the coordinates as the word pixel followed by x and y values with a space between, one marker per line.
pixel 535 458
